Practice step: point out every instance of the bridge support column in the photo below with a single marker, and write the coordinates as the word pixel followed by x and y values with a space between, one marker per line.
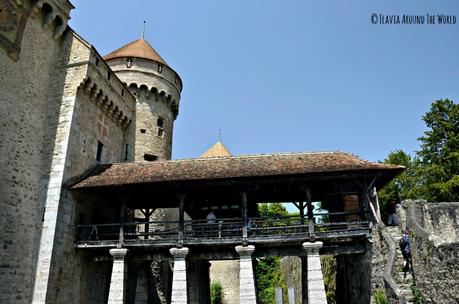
pixel 353 277
pixel 179 283
pixel 117 293
pixel 315 280
pixel 198 282
pixel 247 294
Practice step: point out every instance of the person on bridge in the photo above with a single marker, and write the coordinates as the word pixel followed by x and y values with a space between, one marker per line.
pixel 406 252
pixel 211 218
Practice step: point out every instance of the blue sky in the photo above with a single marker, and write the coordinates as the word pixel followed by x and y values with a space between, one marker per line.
pixel 289 76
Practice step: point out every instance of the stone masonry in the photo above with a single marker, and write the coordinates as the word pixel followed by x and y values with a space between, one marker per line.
pixel 434 247
pixel 247 294
pixel 179 281
pixel 316 289
pixel 30 87
pixel 117 294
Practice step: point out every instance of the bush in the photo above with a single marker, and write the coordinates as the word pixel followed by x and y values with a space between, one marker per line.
pixel 216 295
pixel 380 297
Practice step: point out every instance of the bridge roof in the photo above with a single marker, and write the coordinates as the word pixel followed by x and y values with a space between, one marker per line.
pixel 235 168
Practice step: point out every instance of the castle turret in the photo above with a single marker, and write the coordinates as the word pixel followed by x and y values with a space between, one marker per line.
pixel 157 88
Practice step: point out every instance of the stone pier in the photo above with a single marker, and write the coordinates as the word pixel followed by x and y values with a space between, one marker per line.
pixel 117 293
pixel 315 279
pixel 179 282
pixel 247 294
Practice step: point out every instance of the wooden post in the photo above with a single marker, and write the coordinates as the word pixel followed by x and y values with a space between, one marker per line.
pixel 378 210
pixel 301 207
pixel 181 219
pixel 147 213
pixel 244 217
pixel 147 223
pixel 122 219
pixel 312 236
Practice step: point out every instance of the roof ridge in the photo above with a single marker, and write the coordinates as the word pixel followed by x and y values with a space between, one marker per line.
pixel 241 156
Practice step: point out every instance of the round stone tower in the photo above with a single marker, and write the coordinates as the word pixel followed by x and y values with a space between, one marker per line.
pixel 157 88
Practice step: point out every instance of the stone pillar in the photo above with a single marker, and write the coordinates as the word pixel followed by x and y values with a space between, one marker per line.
pixel 353 277
pixel 179 283
pixel 117 294
pixel 247 294
pixel 316 288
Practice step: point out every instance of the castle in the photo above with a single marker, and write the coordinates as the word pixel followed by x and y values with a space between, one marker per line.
pixel 65 108
pixel 69 120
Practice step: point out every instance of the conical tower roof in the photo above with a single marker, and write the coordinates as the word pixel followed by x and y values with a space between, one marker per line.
pixel 217 150
pixel 139 48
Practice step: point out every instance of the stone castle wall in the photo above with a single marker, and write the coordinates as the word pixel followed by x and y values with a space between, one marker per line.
pixel 434 247
pixel 29 91
pixel 226 272
pixel 96 109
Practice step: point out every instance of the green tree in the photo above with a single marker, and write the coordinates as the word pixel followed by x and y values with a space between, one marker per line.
pixel 272 210
pixel 268 278
pixel 439 155
pixel 404 185
pixel 268 275
pixel 329 272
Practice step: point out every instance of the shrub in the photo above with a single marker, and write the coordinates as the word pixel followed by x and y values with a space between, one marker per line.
pixel 216 295
pixel 380 297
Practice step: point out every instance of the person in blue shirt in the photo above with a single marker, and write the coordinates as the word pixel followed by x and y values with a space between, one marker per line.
pixel 406 252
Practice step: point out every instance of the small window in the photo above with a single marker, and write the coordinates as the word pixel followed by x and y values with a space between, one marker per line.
pixel 160 122
pixel 126 152
pixel 176 80
pixel 97 62
pixel 109 75
pixel 122 92
pixel 100 148
pixel 161 132
pixel 143 131
pixel 84 146
pixel 160 68
pixel 129 63
pixel 160 125
pixel 150 157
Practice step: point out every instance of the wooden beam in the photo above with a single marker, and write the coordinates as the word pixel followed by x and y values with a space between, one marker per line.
pixel 122 220
pixel 181 219
pixel 301 208
pixel 244 217
pixel 312 235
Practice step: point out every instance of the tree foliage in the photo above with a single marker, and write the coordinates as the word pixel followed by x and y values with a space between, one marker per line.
pixel 404 185
pixel 433 173
pixel 268 275
pixel 268 278
pixel 216 293
pixel 272 210
pixel 329 272
pixel 439 155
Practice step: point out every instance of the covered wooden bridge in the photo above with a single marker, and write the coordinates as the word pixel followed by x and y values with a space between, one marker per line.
pixel 231 187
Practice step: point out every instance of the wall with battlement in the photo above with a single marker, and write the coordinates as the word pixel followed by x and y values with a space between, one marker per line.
pixel 434 247
pixel 96 112
pixel 30 90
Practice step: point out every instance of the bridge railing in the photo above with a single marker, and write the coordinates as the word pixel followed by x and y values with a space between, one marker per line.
pixel 223 228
